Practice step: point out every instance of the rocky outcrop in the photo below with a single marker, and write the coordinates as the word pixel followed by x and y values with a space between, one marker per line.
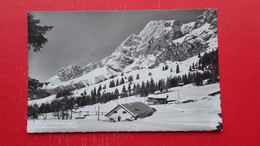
pixel 206 17
pixel 70 72
pixel 186 28
pixel 91 67
pixel 155 36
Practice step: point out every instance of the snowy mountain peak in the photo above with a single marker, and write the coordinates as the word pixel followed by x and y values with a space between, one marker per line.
pixel 159 41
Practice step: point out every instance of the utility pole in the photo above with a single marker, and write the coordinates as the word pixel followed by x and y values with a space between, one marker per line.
pixel 178 95
pixel 98 113
pixel 118 99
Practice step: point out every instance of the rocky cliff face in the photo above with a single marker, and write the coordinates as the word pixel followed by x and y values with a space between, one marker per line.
pixel 158 42
pixel 164 40
pixel 70 72
pixel 155 37
pixel 210 16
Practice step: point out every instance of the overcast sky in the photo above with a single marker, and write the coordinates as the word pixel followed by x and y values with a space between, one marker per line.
pixel 79 38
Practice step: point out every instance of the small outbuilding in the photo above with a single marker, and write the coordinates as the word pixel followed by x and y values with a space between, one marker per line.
pixel 157 99
pixel 129 112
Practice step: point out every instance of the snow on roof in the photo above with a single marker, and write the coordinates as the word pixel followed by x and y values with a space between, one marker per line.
pixel 157 96
pixel 134 108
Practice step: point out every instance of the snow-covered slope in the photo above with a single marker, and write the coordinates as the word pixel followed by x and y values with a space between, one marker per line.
pixel 156 74
pixel 90 78
pixel 194 116
pixel 160 42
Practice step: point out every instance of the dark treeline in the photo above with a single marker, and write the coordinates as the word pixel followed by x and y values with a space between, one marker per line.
pixel 60 107
pixel 63 93
pixel 207 69
pixel 209 61
pixel 35 91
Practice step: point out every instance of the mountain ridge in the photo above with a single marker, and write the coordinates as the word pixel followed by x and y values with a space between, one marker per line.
pixel 159 41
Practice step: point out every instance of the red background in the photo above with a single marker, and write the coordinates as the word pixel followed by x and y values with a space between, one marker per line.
pixel 239 57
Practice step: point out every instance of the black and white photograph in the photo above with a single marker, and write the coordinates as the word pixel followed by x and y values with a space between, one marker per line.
pixel 123 71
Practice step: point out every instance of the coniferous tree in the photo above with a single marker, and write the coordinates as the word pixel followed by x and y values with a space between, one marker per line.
pixel 110 84
pixel 134 90
pixel 177 69
pixel 47 108
pixel 99 93
pixel 160 85
pixel 213 74
pixel 169 82
pixel 93 97
pixel 137 77
pixel 185 79
pixel 95 91
pixel 122 81
pixel 166 67
pixel 149 74
pixel 99 88
pixel 143 89
pixel 42 108
pixel 147 87
pixel 93 100
pixel 129 89
pixel 138 89
pixel 103 98
pixel 200 66
pixel 36 32
pixel 70 105
pixel 163 84
pixel 92 93
pixel 116 94
pixel 117 82
pixel 198 79
pixel 123 93
pixel 152 86
pixel 190 78
pixel 130 78
pixel 83 100
pixel 193 67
